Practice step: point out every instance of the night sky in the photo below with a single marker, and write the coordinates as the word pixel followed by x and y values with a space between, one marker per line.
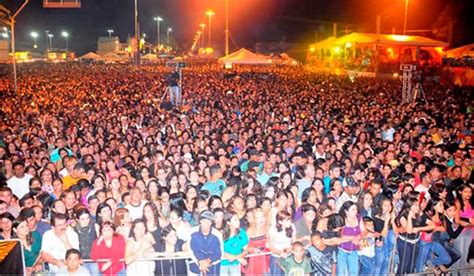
pixel 251 21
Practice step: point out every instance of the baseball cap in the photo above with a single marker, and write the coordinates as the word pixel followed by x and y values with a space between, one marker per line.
pixel 206 214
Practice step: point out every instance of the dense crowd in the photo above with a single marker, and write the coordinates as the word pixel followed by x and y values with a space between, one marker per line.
pixel 274 170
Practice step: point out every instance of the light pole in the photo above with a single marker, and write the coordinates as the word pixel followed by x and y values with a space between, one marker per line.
pixel 226 27
pixel 110 31
pixel 406 16
pixel 12 42
pixel 158 19
pixel 34 35
pixel 50 36
pixel 47 39
pixel 168 36
pixel 66 37
pixel 202 25
pixel 209 13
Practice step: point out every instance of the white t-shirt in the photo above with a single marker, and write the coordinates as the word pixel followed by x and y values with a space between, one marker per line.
pixel 421 188
pixel 53 245
pixel 280 240
pixel 136 211
pixel 81 271
pixel 20 186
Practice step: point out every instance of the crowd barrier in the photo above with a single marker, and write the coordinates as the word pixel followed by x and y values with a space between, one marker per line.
pixel 391 271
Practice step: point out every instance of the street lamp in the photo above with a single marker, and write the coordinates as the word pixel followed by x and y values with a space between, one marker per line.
pixel 210 14
pixel 158 19
pixel 202 25
pixel 50 36
pixel 34 35
pixel 110 31
pixel 227 27
pixel 406 16
pixel 66 37
pixel 168 36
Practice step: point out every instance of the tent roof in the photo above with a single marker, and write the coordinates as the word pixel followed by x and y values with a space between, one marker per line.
pixel 150 56
pixel 244 56
pixel 325 43
pixel 466 50
pixel 391 39
pixel 90 55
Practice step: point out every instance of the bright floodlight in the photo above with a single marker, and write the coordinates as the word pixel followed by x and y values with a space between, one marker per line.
pixel 170 30
pixel 34 34
pixel 158 18
pixel 5 35
pixel 210 13
pixel 64 34
pixel 50 35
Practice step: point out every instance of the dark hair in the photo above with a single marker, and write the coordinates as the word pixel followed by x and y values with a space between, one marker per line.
pixel 17 222
pixel 308 207
pixel 212 199
pixel 459 196
pixel 405 209
pixel 81 211
pixel 306 194
pixel 335 221
pixel 101 206
pixel 106 223
pixel 57 216
pixel 134 224
pixel 166 231
pixel 345 207
pixel 156 213
pixel 177 200
pixel 72 251
pixel 283 215
pixel 226 231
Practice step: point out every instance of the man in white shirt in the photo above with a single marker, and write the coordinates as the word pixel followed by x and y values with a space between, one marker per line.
pixel 57 241
pixel 135 207
pixel 20 182
pixel 425 184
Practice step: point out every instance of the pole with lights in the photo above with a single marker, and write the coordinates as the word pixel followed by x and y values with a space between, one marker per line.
pixel 406 16
pixel 210 14
pixel 226 27
pixel 202 25
pixel 110 31
pixel 168 36
pixel 66 37
pixel 50 37
pixel 158 19
pixel 34 35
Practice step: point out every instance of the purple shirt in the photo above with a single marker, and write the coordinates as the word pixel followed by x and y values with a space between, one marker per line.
pixel 350 231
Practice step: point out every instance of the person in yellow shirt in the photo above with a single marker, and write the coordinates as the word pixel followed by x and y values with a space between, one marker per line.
pixel 79 172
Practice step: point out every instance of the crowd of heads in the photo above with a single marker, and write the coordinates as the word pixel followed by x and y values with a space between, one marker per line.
pixel 262 149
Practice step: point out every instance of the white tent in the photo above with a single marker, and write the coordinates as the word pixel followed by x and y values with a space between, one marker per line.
pixel 150 56
pixel 110 58
pixel 460 52
pixel 91 56
pixel 244 56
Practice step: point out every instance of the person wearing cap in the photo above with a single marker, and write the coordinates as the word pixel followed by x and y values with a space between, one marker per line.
pixel 351 188
pixel 206 247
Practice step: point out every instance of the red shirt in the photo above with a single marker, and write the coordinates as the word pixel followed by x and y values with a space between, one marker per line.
pixel 116 253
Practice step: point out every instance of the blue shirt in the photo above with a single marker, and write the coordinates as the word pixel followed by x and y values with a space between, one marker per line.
pixel 235 245
pixel 215 188
pixel 303 184
pixel 205 247
pixel 54 156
